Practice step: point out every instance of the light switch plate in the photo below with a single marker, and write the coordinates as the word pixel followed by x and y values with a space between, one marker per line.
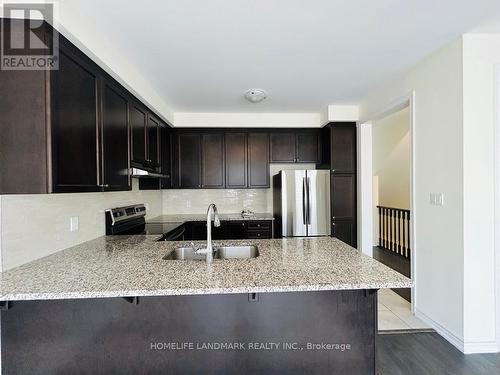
pixel 74 224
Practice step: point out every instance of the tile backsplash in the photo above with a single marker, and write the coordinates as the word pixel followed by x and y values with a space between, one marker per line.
pixel 196 201
pixel 34 226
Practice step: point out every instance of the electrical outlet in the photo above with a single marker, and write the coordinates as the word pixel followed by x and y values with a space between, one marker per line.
pixel 188 204
pixel 74 224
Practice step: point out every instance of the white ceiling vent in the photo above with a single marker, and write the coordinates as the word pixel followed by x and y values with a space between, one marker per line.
pixel 255 95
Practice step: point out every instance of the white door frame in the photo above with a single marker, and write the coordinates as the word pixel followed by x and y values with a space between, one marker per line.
pixel 365 189
pixel 497 199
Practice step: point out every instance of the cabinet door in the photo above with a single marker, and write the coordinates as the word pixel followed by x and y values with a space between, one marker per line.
pixel 188 164
pixel 115 157
pixel 138 121
pixel 343 148
pixel 166 156
pixel 74 118
pixel 236 160
pixel 283 148
pixel 236 230
pixel 343 196
pixel 343 206
pixel 308 147
pixel 198 231
pixel 345 231
pixel 212 161
pixel 258 160
pixel 153 144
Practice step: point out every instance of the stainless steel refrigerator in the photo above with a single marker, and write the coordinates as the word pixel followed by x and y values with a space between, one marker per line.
pixel 301 203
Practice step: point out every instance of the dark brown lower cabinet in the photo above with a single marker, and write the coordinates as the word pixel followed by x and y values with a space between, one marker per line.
pixel 345 231
pixel 229 230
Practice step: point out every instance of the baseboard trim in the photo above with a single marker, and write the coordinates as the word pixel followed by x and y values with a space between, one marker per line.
pixel 457 342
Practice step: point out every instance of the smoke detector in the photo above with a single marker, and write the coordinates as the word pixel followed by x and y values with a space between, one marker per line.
pixel 255 95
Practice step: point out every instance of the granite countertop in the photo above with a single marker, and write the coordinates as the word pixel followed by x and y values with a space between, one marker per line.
pixel 120 266
pixel 163 219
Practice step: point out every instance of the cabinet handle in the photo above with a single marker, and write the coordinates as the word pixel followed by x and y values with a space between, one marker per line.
pixel 103 185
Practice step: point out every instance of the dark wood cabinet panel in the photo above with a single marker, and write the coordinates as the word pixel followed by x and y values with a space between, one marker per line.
pixel 236 230
pixel 138 121
pixel 236 160
pixel 229 230
pixel 282 147
pixel 188 163
pixel 115 153
pixel 308 148
pixel 343 182
pixel 74 126
pixel 197 231
pixel 343 148
pixel 343 196
pixel 345 231
pixel 212 161
pixel 23 146
pixel 166 156
pixel 258 160
pixel 153 144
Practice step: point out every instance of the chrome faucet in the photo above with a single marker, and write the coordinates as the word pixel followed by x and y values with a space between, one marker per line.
pixel 212 208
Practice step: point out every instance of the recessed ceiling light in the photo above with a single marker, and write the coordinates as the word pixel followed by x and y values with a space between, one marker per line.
pixel 255 95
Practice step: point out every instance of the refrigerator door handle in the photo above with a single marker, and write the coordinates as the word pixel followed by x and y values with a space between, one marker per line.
pixel 304 188
pixel 308 187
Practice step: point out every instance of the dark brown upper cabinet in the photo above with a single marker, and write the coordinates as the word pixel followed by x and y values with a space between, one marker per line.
pixel 187 161
pixel 308 147
pixel 258 160
pixel 75 92
pixel 67 130
pixel 236 160
pixel 300 146
pixel 138 122
pixel 212 161
pixel 153 141
pixel 166 156
pixel 115 151
pixel 343 148
pixel 283 147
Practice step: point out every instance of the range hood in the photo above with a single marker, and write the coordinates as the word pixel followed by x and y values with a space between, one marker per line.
pixel 142 173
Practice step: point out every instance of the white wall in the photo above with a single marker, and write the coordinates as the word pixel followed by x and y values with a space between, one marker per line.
pixel 248 120
pixel 437 82
pixel 391 159
pixel 481 52
pixel 454 154
pixel 34 226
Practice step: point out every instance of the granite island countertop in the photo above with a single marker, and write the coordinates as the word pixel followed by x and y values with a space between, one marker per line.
pixel 121 266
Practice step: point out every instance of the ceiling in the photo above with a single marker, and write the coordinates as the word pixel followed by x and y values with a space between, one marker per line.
pixel 202 55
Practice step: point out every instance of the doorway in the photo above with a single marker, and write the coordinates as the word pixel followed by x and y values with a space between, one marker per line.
pixel 386 209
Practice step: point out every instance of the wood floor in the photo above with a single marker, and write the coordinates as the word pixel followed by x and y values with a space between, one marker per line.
pixel 429 354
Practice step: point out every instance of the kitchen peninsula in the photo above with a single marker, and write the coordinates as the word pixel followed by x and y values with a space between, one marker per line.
pixel 298 292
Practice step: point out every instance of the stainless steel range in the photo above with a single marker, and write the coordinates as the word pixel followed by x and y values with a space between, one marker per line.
pixel 131 220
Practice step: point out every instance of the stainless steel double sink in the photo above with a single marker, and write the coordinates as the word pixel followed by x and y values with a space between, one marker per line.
pixel 220 252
